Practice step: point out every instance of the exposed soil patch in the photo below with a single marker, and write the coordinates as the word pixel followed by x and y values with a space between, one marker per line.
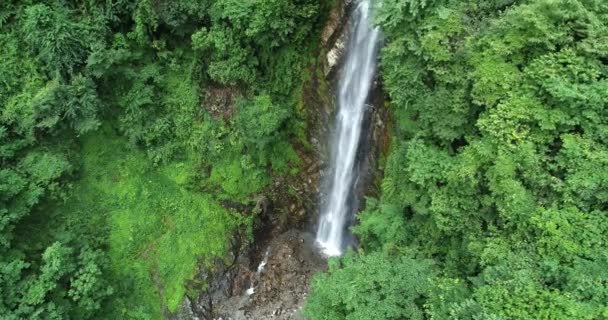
pixel 219 101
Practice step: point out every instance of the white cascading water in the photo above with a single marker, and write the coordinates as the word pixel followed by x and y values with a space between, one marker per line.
pixel 354 86
pixel 258 273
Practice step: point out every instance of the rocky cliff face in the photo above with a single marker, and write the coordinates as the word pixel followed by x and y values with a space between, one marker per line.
pixel 270 278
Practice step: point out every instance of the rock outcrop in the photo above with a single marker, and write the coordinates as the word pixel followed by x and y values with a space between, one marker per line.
pixel 278 289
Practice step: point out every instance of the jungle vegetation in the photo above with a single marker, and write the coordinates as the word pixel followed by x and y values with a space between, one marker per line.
pixel 494 201
pixel 112 165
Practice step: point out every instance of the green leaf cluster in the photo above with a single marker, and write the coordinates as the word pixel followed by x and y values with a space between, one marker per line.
pixel 243 37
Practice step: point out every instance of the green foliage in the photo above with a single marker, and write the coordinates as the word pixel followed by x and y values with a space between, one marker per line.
pixel 156 225
pixel 241 153
pixel 269 119
pixel 497 170
pixel 243 36
pixel 43 295
pixel 232 63
pixel 372 286
pixel 88 286
pixel 53 37
pixel 105 144
pixel 158 108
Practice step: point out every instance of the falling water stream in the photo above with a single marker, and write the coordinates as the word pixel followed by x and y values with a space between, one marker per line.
pixel 355 83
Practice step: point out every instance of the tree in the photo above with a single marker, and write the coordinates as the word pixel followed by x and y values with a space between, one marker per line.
pixel 244 37
pixel 372 286
pixel 53 37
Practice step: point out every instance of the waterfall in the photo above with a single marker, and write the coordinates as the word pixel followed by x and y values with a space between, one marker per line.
pixel 354 86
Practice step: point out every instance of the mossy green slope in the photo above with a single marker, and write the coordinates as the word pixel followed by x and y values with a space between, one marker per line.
pixel 158 228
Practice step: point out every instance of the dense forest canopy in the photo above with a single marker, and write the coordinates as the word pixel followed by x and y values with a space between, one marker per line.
pixel 112 166
pixel 494 203
pixel 114 162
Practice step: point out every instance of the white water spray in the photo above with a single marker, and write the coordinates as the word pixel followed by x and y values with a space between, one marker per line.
pixel 259 271
pixel 355 83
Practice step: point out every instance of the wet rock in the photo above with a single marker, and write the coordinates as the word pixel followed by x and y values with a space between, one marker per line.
pixel 335 36
pixel 222 279
pixel 186 311
pixel 334 56
pixel 302 212
pixel 336 19
pixel 262 205
pixel 281 289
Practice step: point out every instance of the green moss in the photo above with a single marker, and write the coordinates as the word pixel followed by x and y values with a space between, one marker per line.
pixel 158 230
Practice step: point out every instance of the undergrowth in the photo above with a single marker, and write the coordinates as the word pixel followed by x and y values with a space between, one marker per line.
pixel 158 228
